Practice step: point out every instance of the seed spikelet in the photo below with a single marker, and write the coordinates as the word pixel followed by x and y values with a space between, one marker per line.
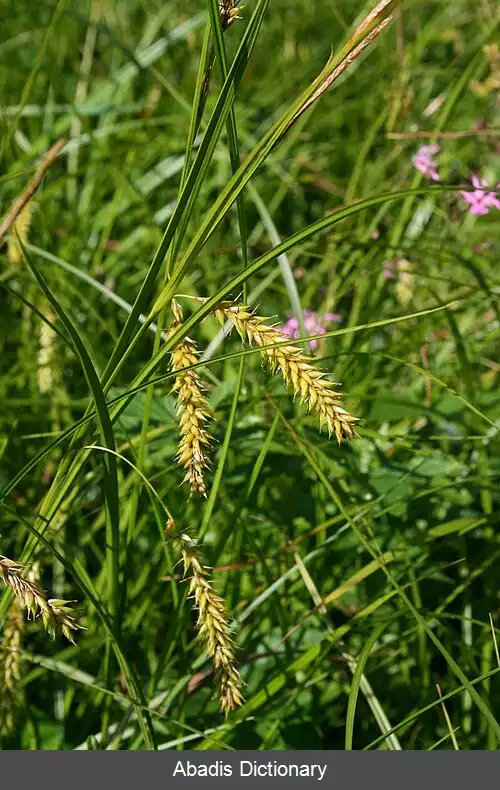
pixel 55 613
pixel 213 627
pixel 10 661
pixel 297 368
pixel 192 409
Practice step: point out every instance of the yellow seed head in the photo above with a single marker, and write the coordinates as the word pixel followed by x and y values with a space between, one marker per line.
pixel 11 646
pixel 193 412
pixel 55 614
pixel 213 627
pixel 229 11
pixel 299 370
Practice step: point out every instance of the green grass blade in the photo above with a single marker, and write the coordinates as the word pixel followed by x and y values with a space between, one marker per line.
pixel 356 682
pixel 193 183
pixel 111 474
pixel 132 681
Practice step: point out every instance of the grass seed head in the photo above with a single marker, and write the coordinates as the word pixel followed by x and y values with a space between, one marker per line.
pixel 55 613
pixel 46 355
pixel 229 12
pixel 299 370
pixel 193 413
pixel 11 647
pixel 10 663
pixel 213 627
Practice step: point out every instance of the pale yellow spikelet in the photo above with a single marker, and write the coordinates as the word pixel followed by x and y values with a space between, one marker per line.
pixel 11 646
pixel 10 661
pixel 229 12
pixel 213 627
pixel 46 355
pixel 19 232
pixel 193 413
pixel 297 368
pixel 55 613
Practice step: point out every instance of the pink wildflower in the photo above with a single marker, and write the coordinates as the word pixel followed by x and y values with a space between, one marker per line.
pixel 480 200
pixel 424 162
pixel 314 324
pixel 389 267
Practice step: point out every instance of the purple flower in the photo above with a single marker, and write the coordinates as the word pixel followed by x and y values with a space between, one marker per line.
pixel 314 324
pixel 480 200
pixel 424 162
